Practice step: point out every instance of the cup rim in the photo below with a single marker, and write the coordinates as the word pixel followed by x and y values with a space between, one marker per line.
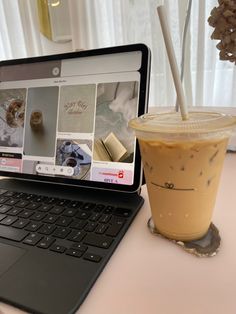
pixel 199 122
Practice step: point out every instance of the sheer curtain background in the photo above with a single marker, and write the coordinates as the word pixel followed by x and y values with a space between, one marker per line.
pixel 100 23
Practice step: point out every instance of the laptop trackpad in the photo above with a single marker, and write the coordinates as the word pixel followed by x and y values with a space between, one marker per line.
pixel 8 256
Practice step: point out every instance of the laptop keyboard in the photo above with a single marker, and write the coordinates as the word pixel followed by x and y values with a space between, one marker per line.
pixel 64 226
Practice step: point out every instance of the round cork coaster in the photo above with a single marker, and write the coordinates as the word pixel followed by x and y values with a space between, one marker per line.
pixel 207 246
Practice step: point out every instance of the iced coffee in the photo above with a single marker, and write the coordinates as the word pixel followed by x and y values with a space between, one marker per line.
pixel 182 163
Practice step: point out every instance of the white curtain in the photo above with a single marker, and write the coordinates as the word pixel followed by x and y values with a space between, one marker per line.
pixel 19 32
pixel 100 23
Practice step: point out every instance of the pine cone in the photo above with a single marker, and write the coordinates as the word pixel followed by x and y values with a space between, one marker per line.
pixel 223 19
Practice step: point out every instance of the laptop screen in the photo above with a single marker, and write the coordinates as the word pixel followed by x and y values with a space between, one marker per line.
pixel 64 118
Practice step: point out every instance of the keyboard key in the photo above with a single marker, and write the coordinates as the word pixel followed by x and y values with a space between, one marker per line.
pixel 61 232
pixel 45 242
pixel 64 221
pixel 32 239
pixel 22 203
pixel 123 212
pixel 26 213
pixel 2 216
pixel 45 207
pixel 47 229
pixel 50 219
pixel 11 201
pixel 101 228
pixel 9 194
pixel 105 218
pixel 90 226
pixel 92 257
pixel 88 206
pixel 33 226
pixel 108 210
pixel 40 198
pixel 83 215
pixel 73 252
pixel 75 204
pixel 51 200
pixel 62 202
pixel 70 212
pixel 20 195
pixel 95 216
pixel 80 247
pixel 9 220
pixel 3 199
pixel 76 236
pixel 2 191
pixel 115 228
pixel 21 223
pixel 4 208
pixel 29 197
pixel 57 210
pixel 98 240
pixel 99 208
pixel 38 216
pixel 14 211
pixel 58 248
pixel 118 220
pixel 12 233
pixel 33 205
pixel 78 224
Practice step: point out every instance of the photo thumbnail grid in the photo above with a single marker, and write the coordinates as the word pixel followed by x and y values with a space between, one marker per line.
pixel 39 122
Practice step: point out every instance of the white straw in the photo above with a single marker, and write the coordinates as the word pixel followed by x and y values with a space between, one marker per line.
pixel 173 63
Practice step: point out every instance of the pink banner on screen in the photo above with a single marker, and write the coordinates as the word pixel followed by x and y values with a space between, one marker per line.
pixel 10 164
pixel 115 176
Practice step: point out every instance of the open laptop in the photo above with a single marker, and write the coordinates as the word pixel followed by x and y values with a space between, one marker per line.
pixel 72 171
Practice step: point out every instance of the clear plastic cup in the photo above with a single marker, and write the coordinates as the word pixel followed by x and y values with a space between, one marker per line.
pixel 182 164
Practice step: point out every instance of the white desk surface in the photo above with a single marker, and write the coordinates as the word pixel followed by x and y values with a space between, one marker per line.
pixel 147 274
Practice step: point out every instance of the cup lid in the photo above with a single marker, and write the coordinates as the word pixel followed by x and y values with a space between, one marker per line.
pixel 171 122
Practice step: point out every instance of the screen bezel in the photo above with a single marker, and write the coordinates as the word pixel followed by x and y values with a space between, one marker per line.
pixel 142 108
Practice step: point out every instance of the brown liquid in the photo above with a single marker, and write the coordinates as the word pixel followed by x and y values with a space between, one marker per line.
pixel 182 181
